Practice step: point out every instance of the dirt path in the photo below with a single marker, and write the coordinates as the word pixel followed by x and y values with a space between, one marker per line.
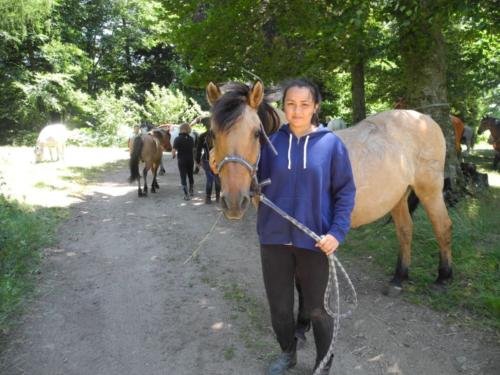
pixel 117 297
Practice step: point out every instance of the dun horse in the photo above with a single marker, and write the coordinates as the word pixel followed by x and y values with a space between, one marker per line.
pixel 391 153
pixel 493 125
pixel 149 149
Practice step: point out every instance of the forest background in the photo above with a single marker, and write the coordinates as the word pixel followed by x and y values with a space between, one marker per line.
pixel 102 66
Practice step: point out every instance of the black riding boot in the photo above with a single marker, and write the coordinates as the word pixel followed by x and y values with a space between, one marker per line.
pixel 217 196
pixel 191 190
pixel 284 362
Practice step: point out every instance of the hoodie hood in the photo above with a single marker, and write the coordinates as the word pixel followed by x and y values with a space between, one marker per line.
pixel 311 180
pixel 319 132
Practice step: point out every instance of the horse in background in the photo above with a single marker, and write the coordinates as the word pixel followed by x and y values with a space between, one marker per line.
pixel 458 128
pixel 149 149
pixel 52 137
pixel 493 125
pixel 392 153
pixel 468 138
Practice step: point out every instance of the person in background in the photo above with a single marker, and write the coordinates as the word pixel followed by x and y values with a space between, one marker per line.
pixel 183 148
pixel 205 144
pixel 311 180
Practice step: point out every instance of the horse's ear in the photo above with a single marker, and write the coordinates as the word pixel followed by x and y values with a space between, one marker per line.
pixel 256 95
pixel 213 93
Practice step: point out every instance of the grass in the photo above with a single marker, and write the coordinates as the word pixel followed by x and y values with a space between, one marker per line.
pixel 23 232
pixel 475 290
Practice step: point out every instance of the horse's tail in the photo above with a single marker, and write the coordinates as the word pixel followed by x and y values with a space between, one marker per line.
pixel 134 159
pixel 413 203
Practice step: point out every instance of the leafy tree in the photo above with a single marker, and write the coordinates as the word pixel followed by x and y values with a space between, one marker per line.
pixel 163 105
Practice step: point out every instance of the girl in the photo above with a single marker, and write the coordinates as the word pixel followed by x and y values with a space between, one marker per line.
pixel 311 179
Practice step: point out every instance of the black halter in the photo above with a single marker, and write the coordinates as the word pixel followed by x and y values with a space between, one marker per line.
pixel 252 167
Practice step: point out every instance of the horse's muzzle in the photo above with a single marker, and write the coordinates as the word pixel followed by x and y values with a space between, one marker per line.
pixel 234 205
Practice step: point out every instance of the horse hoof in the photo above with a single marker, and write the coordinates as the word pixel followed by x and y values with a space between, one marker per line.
pixel 392 290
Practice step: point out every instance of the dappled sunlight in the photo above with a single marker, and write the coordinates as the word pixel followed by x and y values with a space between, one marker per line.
pixel 59 183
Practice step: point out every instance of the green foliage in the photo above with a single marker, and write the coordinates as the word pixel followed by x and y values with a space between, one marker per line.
pixel 18 17
pixel 114 116
pixel 476 260
pixel 24 232
pixel 45 93
pixel 164 105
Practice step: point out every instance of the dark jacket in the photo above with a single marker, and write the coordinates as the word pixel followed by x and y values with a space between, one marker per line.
pixel 184 145
pixel 311 180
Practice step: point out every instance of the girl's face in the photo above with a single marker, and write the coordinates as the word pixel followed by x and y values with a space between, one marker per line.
pixel 299 107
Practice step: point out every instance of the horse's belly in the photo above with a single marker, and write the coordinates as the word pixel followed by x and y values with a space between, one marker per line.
pixel 370 206
pixel 380 187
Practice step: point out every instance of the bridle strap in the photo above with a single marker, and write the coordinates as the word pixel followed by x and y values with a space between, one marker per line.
pixel 252 168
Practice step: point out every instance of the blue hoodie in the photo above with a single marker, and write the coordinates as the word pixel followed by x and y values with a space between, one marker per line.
pixel 311 180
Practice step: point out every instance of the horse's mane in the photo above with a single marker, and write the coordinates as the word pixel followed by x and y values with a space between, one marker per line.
pixel 230 106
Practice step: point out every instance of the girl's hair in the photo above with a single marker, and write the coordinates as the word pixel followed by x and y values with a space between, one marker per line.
pixel 311 86
pixel 185 128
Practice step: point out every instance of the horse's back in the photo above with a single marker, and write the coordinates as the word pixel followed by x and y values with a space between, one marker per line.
pixel 396 132
pixel 151 148
pixel 389 152
pixel 54 132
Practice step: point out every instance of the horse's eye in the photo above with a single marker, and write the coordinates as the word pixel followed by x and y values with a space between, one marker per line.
pixel 257 134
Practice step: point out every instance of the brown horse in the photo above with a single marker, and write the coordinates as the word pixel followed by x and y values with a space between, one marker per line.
pixel 391 153
pixel 149 149
pixel 493 125
pixel 458 128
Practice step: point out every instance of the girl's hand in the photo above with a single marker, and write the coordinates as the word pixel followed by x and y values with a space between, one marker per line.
pixel 328 244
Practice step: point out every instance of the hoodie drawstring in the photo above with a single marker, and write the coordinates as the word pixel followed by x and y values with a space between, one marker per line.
pixel 289 152
pixel 305 152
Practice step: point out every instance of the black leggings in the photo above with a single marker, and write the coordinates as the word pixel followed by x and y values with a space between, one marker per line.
pixel 281 265
pixel 186 169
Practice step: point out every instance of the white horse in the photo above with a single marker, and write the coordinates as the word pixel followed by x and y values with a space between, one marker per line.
pixel 51 137
pixel 468 138
pixel 336 124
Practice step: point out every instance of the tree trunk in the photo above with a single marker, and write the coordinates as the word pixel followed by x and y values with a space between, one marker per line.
pixel 424 66
pixel 358 90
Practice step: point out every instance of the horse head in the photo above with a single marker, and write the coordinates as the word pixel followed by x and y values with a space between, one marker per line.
pixel 488 123
pixel 240 118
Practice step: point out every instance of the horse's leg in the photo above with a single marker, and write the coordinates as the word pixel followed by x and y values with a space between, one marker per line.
pixel 154 184
pixel 404 230
pixel 145 177
pixel 139 189
pixel 433 202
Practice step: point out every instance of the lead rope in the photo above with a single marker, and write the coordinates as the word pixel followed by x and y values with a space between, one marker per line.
pixel 333 263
